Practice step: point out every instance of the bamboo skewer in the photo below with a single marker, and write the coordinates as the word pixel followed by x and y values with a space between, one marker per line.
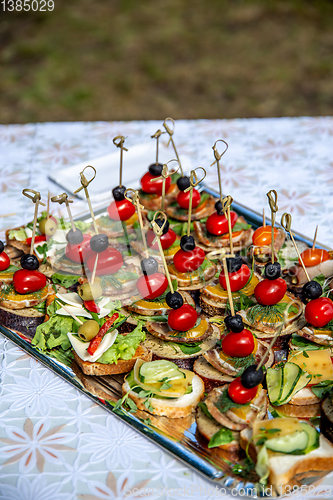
pixel 48 205
pixel 94 270
pixel 263 218
pixel 158 233
pixel 171 132
pixel 63 198
pixel 71 314
pixel 272 199
pixel 286 224
pixel 165 174
pixel 315 238
pixel 119 142
pixel 136 202
pixel 84 185
pixel 226 203
pixel 157 136
pixel 36 198
pixel 218 157
pixel 226 274
pixel 193 183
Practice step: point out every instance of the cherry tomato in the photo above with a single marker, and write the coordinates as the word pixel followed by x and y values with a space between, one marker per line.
pixel 109 262
pixel 91 306
pixel 4 261
pixel 80 252
pixel 188 261
pixel 167 239
pixel 183 199
pixel 28 281
pixel 152 286
pixel 121 210
pixel 38 239
pixel 218 224
pixel 270 292
pixel 154 187
pixel 239 394
pixel 314 257
pixel 238 345
pixel 319 312
pixel 263 236
pixel 182 319
pixel 237 279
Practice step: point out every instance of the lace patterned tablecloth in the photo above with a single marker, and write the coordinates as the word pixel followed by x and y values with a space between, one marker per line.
pixel 55 444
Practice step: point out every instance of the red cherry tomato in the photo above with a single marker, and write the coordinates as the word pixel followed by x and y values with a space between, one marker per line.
pixel 218 224
pixel 238 344
pixel 183 199
pixel 263 236
pixel 154 187
pixel 152 286
pixel 270 292
pixel 109 262
pixel 4 261
pixel 237 279
pixel 91 306
pixel 121 210
pixel 184 318
pixel 38 239
pixel 167 239
pixel 239 394
pixel 188 261
pixel 319 312
pixel 79 253
pixel 314 257
pixel 28 281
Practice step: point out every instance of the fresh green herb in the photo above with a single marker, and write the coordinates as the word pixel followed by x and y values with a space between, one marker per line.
pixel 110 280
pixel 188 348
pixel 126 400
pixel 244 469
pixel 221 437
pixel 42 250
pixel 157 318
pixel 165 385
pixel 65 280
pixel 322 388
pixel 41 307
pixel 240 226
pixel 10 269
pixel 204 408
pixel 241 363
pixel 224 403
pixel 268 314
pixel 147 421
pixel 304 344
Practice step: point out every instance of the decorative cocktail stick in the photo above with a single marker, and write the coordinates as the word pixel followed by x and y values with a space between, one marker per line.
pixel 157 136
pixel 218 157
pixel 194 182
pixel 136 202
pixel 226 274
pixel 36 200
pixel 158 233
pixel 272 198
pixel 48 205
pixel 119 142
pixel 8 215
pixel 263 218
pixel 286 224
pixel 94 270
pixel 171 132
pixel 165 174
pixel 315 238
pixel 70 313
pixel 226 203
pixel 85 183
pixel 63 198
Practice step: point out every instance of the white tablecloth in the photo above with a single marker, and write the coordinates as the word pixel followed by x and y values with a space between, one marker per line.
pixel 54 443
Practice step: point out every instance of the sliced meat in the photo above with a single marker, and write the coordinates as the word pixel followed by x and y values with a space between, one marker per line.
pixel 211 376
pixel 9 299
pixel 192 281
pixel 258 410
pixel 211 401
pixel 137 308
pixel 202 211
pixel 308 332
pixel 325 268
pixel 164 332
pixel 240 239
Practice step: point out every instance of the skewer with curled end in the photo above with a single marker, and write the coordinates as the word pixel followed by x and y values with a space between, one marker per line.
pixel 164 175
pixel 29 261
pixel 170 131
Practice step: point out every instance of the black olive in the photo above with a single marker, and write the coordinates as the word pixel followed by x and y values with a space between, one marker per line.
pixel 119 193
pixel 234 323
pixel 2 246
pixel 234 263
pixel 251 377
pixel 174 300
pixel 29 262
pixel 155 169
pixel 312 290
pixel 183 183
pixel 160 223
pixel 99 242
pixel 187 243
pixel 218 207
pixel 272 271
pixel 74 237
pixel 149 266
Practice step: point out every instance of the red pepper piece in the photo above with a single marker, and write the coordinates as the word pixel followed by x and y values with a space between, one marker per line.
pixel 94 343
pixel 91 306
pixel 38 239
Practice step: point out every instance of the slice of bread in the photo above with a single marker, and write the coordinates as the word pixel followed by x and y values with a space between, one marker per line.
pixel 208 427
pixel 288 470
pixel 306 411
pixel 172 408
pixel 122 366
pixel 210 375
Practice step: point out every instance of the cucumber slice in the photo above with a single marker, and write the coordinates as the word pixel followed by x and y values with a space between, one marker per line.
pixel 274 381
pixel 156 371
pixel 292 443
pixel 291 376
pixel 302 382
pixel 314 438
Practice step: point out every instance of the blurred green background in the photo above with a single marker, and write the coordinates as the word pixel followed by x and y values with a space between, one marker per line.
pixel 147 59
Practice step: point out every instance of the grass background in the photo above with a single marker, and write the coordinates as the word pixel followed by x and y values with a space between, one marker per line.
pixel 147 59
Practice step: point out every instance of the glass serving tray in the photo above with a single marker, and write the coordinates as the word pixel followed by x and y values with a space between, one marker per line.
pixel 178 436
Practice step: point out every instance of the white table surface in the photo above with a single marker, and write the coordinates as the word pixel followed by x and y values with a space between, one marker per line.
pixel 55 444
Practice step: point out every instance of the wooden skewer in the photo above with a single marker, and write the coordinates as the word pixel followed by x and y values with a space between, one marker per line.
pixel 193 183
pixel 63 198
pixel 218 157
pixel 119 142
pixel 171 132
pixel 48 205
pixel 84 185
pixel 226 202
pixel 158 233
pixel 36 198
pixel 226 274
pixel 69 312
pixel 286 224
pixel 272 198
pixel 94 270
pixel 136 202
pixel 165 174
pixel 8 215
pixel 315 238
pixel 157 136
pixel 263 218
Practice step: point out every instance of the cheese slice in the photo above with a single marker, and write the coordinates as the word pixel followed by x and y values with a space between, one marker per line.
pixel 81 347
pixel 286 426
pixel 74 305
pixel 318 364
pixel 72 298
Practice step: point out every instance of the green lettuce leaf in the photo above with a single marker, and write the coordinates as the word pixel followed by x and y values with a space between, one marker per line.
pixel 223 436
pixel 124 346
pixel 65 280
pixel 51 338
pixel 17 234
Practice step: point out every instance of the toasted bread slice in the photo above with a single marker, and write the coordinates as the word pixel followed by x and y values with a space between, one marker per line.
pixel 210 375
pixel 172 408
pixel 122 366
pixel 208 427
pixel 289 410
